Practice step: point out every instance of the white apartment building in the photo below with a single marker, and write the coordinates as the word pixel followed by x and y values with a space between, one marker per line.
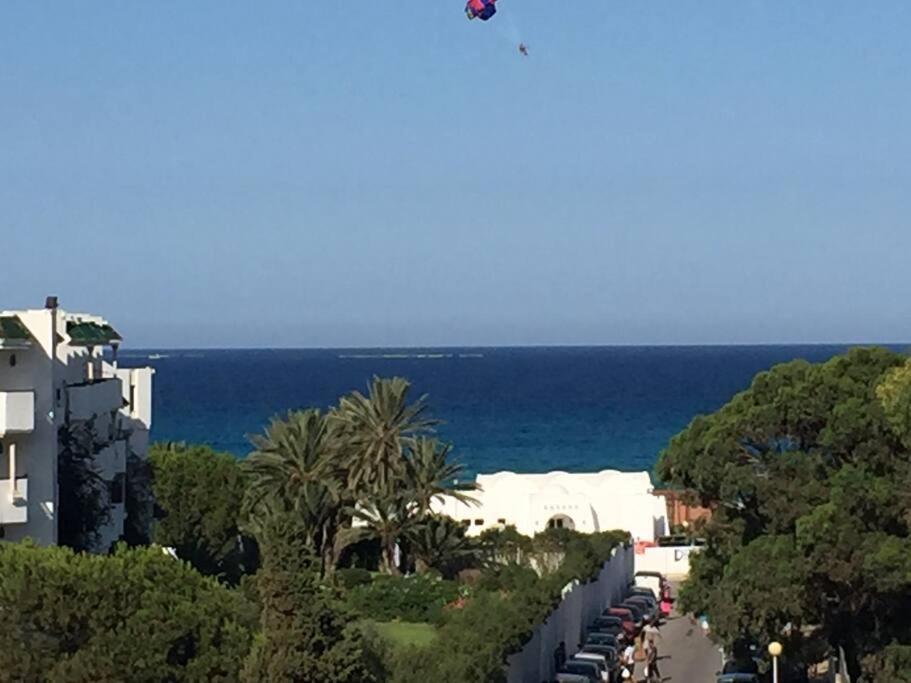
pixel 587 502
pixel 53 381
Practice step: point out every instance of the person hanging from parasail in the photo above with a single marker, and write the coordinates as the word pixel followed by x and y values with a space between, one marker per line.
pixel 480 9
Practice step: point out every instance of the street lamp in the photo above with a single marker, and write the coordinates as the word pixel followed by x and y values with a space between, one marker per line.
pixel 775 651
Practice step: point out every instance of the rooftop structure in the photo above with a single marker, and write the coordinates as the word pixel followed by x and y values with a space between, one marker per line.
pixel 55 381
pixel 586 502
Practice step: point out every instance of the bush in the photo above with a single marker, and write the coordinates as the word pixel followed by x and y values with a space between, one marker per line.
pixel 410 598
pixel 136 615
pixel 493 625
pixel 508 577
pixel 197 493
pixel 307 635
pixel 353 577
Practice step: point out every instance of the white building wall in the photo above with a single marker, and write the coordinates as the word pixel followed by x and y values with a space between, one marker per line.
pixel 586 502
pixel 672 561
pixel 36 452
pixel 71 384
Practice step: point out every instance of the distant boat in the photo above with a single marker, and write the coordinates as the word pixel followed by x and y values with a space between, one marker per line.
pixel 157 356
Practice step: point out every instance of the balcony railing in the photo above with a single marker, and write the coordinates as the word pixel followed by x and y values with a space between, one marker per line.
pixel 17 412
pixel 13 501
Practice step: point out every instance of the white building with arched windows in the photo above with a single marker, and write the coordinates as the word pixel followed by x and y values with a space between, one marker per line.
pixel 586 502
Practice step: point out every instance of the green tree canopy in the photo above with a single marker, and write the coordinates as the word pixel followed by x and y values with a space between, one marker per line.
pixel 306 636
pixel 808 475
pixel 197 495
pixel 136 615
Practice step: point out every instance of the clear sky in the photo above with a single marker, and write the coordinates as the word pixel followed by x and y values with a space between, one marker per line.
pixel 327 173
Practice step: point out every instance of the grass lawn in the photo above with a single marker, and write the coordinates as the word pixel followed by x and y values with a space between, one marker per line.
pixel 406 633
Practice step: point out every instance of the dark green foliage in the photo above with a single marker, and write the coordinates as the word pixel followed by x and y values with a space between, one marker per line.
pixel 808 472
pixel 306 634
pixel 353 576
pixel 439 543
pixel 136 615
pixel 507 577
pixel 197 494
pixel 504 546
pixel 139 504
pixel 82 493
pixel 420 597
pixel 891 665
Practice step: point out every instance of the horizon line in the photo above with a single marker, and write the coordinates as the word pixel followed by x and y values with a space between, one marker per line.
pixel 433 347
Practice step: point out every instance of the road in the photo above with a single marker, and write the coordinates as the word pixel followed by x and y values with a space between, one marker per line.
pixel 686 654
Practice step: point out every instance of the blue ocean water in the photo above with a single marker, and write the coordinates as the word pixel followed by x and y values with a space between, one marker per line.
pixel 521 409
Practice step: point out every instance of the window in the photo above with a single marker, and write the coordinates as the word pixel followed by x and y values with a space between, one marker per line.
pixel 12 360
pixel 132 398
pixel 466 522
pixel 502 521
pixel 117 489
pixel 479 522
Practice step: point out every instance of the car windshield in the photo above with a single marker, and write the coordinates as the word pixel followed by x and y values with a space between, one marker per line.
pixel 603 639
pixel 582 668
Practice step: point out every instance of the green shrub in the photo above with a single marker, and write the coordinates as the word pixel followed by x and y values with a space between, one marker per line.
pixel 496 623
pixel 353 577
pixel 411 598
pixel 136 615
pixel 507 577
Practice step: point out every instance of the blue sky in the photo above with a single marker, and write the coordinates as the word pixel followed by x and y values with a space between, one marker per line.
pixel 387 173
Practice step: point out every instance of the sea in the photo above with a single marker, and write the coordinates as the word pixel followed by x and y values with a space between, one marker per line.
pixel 575 409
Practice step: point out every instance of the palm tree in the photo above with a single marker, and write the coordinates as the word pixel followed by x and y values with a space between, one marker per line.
pixel 430 477
pixel 386 518
pixel 375 430
pixel 292 474
pixel 438 542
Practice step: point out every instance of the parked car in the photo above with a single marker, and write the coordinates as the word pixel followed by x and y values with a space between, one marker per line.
pixel 653 580
pixel 601 661
pixel 566 677
pixel 610 657
pixel 647 600
pixel 629 619
pixel 601 639
pixel 638 611
pixel 648 606
pixel 588 670
pixel 607 620
pixel 643 590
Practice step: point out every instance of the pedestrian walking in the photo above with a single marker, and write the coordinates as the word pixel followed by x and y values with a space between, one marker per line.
pixel 629 663
pixel 652 674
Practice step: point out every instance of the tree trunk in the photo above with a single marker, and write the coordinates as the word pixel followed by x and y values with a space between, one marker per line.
pixel 389 565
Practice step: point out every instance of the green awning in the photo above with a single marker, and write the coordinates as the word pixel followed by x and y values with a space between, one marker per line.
pixel 91 334
pixel 13 333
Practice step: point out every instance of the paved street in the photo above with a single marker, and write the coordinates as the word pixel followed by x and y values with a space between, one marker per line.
pixel 687 656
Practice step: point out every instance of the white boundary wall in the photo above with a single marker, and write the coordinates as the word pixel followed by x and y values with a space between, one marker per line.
pixel 580 605
pixel 672 561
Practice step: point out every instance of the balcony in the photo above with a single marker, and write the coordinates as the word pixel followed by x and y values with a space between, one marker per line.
pixel 17 412
pixel 111 460
pixel 13 501
pixel 94 398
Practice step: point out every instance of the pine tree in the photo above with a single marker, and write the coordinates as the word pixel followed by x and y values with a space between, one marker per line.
pixel 306 637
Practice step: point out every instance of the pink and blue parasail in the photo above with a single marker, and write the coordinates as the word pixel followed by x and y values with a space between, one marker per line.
pixel 480 9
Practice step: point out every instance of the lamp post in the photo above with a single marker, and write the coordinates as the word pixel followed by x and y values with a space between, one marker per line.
pixel 775 651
